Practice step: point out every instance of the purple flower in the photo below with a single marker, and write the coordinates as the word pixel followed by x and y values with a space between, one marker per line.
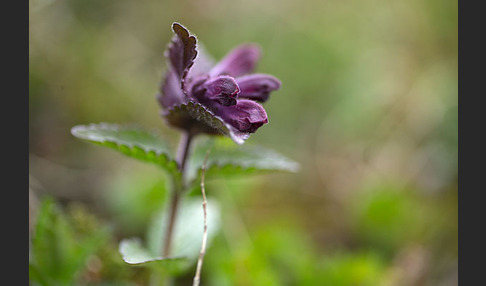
pixel 227 90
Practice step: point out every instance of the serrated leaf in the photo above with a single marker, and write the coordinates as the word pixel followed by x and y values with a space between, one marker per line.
pixel 182 51
pixel 229 159
pixel 196 116
pixel 131 141
pixel 192 113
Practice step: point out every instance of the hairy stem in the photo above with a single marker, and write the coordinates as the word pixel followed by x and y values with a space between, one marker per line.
pixel 177 190
pixel 197 276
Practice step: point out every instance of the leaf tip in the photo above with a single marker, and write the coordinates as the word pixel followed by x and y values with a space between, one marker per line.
pixel 75 130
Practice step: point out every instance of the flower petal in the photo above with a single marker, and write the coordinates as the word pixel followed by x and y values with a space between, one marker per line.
pixel 239 61
pixel 222 90
pixel 246 116
pixel 257 86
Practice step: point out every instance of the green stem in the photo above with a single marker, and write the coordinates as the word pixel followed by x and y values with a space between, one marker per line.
pixel 178 189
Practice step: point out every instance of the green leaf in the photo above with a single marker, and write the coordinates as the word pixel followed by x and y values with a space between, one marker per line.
pixel 134 252
pixel 227 159
pixel 131 141
pixel 186 240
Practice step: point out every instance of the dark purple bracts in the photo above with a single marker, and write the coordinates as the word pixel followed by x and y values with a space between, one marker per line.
pixel 227 89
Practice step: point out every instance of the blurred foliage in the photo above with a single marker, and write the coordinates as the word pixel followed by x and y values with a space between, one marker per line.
pixel 64 246
pixel 368 107
pixel 280 255
pixel 135 209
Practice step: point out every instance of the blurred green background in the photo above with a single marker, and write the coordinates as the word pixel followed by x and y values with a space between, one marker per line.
pixel 368 107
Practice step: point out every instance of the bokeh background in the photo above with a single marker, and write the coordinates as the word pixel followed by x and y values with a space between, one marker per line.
pixel 368 107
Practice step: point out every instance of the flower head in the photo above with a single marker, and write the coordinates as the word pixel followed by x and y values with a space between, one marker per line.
pixel 223 98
